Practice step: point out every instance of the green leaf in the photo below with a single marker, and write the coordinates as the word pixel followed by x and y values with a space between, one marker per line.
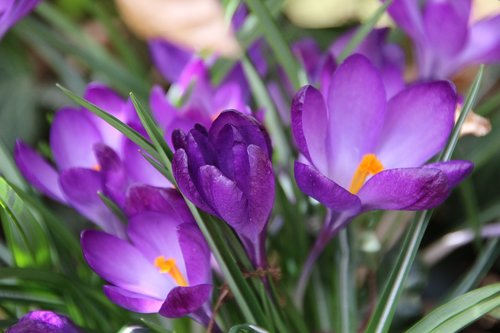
pixel 247 328
pixel 277 42
pixel 363 31
pixel 25 235
pixel 460 312
pixel 383 314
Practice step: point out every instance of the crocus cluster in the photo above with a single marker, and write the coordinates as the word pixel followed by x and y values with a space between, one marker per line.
pixel 445 40
pixel 12 11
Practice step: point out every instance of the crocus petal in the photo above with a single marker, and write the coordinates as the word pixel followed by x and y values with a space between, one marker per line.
pixel 121 264
pixel 483 45
pixel 309 126
pixel 228 96
pixel 446 25
pixel 155 234
pixel 250 129
pixel 226 199
pixel 38 172
pixel 185 183
pixel 182 301
pixel 195 252
pixel 163 112
pixel 405 189
pixel 133 301
pixel 407 15
pixel 356 115
pixel 108 100
pixel 418 123
pixel 326 191
pixel 139 169
pixel 80 186
pixel 72 139
pixel 169 59
pixel 114 178
pixel 38 321
pixel 455 170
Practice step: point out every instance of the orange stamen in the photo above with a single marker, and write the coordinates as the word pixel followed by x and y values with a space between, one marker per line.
pixel 369 165
pixel 168 266
pixel 96 167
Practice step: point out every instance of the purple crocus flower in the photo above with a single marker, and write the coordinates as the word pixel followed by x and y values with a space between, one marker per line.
pixel 12 11
pixel 227 172
pixel 445 41
pixel 165 267
pixel 89 156
pixel 43 321
pixel 363 152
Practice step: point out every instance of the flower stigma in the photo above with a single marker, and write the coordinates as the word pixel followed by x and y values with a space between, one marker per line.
pixel 168 266
pixel 369 166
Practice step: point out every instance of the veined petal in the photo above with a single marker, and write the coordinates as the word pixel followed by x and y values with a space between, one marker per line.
pixel 323 189
pixel 182 301
pixel 226 199
pixel 356 115
pixel 417 125
pixel 38 172
pixel 185 183
pixel 133 301
pixel 309 126
pixel 80 186
pixel 405 189
pixel 196 253
pixel 455 170
pixel 155 234
pixel 121 264
pixel 114 178
pixel 72 139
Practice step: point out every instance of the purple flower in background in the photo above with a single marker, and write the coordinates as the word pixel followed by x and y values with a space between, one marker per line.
pixel 90 156
pixel 165 267
pixel 445 41
pixel 227 172
pixel 43 321
pixel 364 153
pixel 387 57
pixel 12 11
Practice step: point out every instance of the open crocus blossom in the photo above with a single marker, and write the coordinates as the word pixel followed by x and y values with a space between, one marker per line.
pixel 165 267
pixel 364 153
pixel 90 156
pixel 43 321
pixel 227 172
pixel 12 11
pixel 445 40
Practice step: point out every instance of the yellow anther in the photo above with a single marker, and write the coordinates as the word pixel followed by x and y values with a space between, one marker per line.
pixel 369 165
pixel 168 266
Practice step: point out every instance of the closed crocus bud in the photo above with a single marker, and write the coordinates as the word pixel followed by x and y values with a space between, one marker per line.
pixel 226 171
pixel 41 321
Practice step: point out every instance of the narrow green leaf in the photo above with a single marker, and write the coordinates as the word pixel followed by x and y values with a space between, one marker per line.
pixel 272 118
pixel 381 318
pixel 113 207
pixel 129 132
pixel 25 236
pixel 278 44
pixel 247 328
pixel 363 31
pixel 460 312
pixel 8 168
